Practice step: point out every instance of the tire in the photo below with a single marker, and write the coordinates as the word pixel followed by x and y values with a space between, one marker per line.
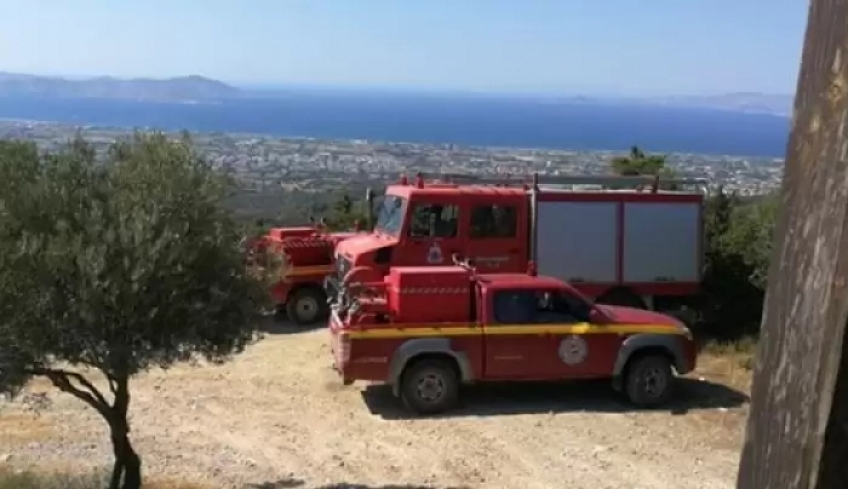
pixel 649 381
pixel 436 376
pixel 307 306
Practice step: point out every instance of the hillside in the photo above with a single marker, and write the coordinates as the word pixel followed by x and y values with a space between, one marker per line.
pixel 181 89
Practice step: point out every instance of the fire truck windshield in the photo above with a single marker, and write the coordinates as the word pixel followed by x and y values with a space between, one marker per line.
pixel 390 215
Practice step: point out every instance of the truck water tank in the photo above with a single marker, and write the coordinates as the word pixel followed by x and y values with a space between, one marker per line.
pixel 429 294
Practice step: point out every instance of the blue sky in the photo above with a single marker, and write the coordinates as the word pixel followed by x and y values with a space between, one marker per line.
pixel 610 47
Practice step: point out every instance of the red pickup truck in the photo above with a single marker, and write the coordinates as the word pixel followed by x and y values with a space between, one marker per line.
pixel 426 331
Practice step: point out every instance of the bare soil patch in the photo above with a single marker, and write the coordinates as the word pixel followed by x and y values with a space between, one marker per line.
pixel 278 417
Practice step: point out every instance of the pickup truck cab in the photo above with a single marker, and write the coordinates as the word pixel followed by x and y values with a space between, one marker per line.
pixel 426 331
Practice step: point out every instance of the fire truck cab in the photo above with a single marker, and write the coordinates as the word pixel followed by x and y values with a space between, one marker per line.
pixel 618 240
pixel 428 330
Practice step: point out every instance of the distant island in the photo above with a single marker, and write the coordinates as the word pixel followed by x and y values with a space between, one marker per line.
pixel 750 102
pixel 186 89
pixel 200 89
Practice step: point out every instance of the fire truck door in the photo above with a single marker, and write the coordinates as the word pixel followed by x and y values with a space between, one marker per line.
pixel 432 235
pixel 515 347
pixel 493 239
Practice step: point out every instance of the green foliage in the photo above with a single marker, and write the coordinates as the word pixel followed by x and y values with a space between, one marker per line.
pixel 117 265
pixel 639 163
pixel 739 241
pixel 750 235
pixel 345 213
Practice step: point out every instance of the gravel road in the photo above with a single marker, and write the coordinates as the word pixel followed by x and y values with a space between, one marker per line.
pixel 277 417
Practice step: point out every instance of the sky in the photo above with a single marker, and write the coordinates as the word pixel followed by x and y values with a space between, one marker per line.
pixel 591 47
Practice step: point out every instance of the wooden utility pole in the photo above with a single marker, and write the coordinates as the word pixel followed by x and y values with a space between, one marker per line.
pixel 797 432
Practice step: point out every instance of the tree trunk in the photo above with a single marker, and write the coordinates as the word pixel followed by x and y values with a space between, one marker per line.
pixel 796 431
pixel 127 462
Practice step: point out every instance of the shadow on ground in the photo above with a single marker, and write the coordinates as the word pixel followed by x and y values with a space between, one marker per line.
pixel 534 398
pixel 298 483
pixel 277 325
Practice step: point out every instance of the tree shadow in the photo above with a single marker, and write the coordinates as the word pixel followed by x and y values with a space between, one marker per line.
pixel 498 399
pixel 280 325
pixel 291 482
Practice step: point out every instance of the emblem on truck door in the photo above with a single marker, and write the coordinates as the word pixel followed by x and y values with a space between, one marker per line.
pixel 434 256
pixel 573 350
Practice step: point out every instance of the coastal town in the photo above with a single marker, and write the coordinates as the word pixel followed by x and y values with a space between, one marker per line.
pixel 268 163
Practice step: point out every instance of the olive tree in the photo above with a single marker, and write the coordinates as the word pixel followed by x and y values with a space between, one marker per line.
pixel 112 263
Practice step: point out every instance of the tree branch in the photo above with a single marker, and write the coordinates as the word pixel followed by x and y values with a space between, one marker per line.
pixel 61 379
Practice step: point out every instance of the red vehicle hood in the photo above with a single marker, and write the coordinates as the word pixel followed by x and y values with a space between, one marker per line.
pixel 344 236
pixel 363 244
pixel 629 315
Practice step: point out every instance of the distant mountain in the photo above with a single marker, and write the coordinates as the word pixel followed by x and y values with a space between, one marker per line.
pixel 186 89
pixel 751 102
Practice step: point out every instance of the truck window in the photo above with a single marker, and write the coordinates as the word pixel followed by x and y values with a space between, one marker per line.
pixel 493 221
pixel 390 215
pixel 434 221
pixel 559 307
pixel 538 306
pixel 515 306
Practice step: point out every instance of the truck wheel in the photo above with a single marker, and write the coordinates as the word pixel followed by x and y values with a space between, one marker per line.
pixel 429 387
pixel 307 306
pixel 649 381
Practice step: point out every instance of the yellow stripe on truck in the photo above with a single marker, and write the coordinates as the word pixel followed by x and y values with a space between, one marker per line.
pixel 512 329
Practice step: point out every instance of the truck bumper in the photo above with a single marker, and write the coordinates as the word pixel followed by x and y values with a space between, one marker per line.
pixel 340 371
pixel 337 355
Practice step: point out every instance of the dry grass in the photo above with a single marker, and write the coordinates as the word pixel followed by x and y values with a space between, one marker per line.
pixel 19 428
pixel 729 362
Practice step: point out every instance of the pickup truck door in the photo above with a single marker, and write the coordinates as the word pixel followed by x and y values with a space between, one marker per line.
pixel 583 349
pixel 515 346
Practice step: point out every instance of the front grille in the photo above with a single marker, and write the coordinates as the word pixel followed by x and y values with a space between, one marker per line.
pixel 333 283
pixel 342 267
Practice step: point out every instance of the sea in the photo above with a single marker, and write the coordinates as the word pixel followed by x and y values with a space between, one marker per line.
pixel 467 121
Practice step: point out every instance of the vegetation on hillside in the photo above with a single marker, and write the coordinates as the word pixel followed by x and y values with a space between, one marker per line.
pixel 108 270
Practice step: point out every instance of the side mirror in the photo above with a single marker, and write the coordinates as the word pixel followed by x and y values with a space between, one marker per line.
pixel 595 316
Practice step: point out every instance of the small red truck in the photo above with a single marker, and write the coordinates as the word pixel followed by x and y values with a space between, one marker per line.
pixel 428 330
pixel 306 254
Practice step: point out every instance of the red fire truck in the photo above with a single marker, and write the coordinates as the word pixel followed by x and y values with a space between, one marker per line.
pixel 619 240
pixel 427 330
pixel 624 242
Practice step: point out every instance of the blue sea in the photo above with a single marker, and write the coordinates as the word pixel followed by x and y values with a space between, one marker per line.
pixel 479 121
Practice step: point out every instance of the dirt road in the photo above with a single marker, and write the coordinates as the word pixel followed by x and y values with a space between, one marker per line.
pixel 277 417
